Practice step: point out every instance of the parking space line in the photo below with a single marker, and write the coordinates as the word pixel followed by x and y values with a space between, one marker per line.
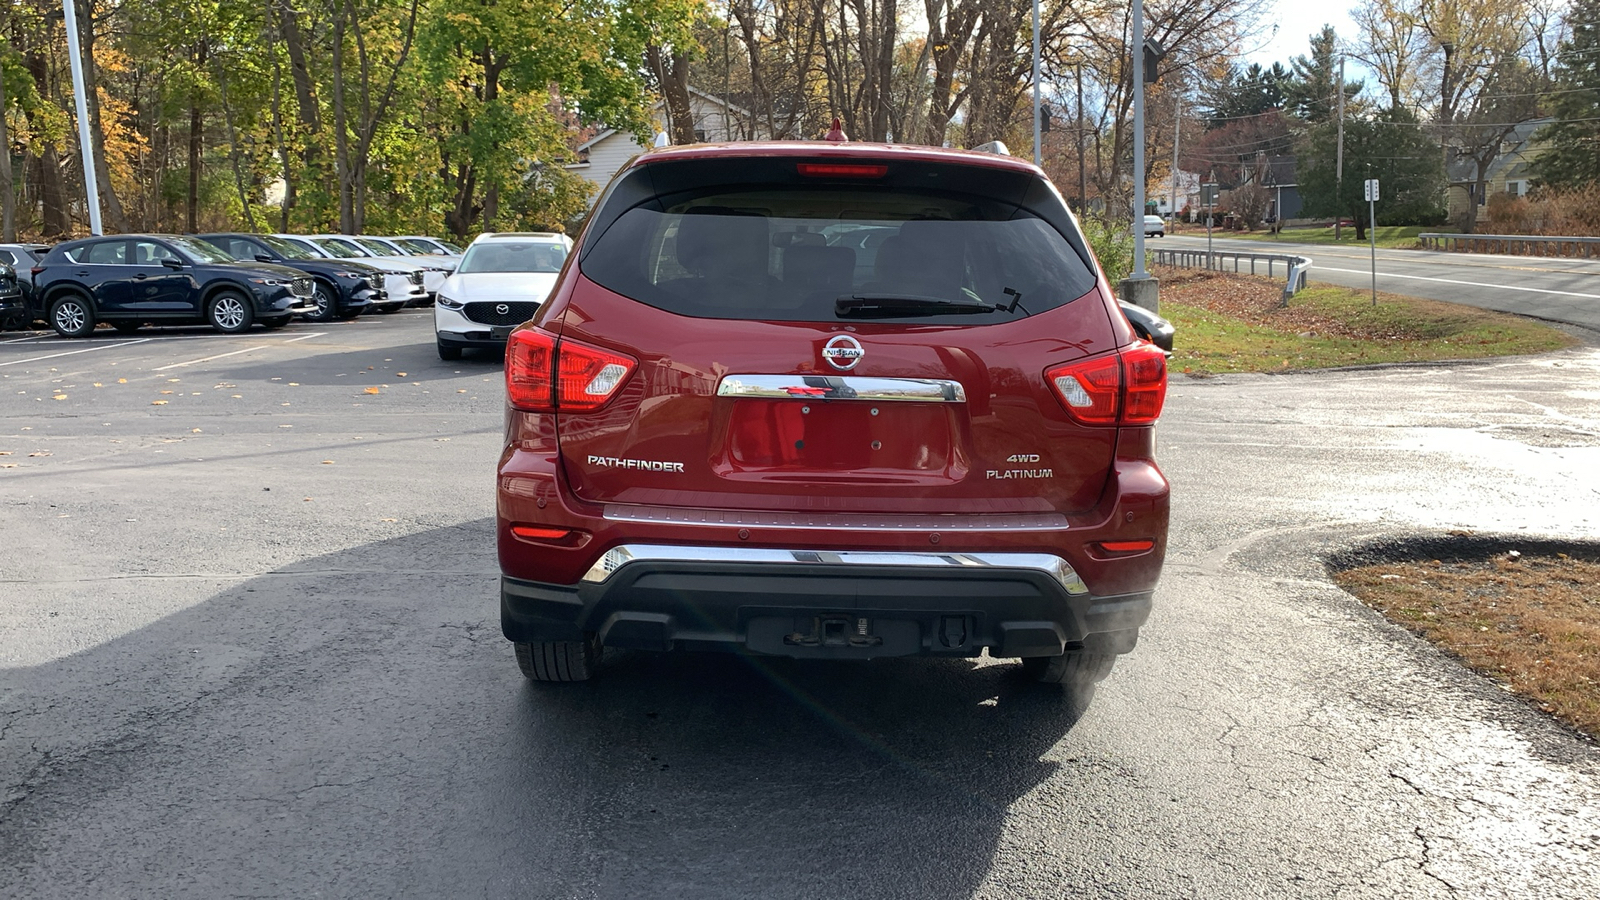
pixel 237 352
pixel 31 337
pixel 18 362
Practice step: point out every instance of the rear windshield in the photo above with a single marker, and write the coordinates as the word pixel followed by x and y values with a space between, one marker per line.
pixel 789 254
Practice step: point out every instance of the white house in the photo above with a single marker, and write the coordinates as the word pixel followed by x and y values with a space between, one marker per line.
pixel 715 119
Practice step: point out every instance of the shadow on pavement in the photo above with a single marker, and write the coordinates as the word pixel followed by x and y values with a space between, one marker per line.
pixel 356 725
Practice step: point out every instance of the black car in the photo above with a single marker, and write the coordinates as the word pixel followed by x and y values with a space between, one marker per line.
pixel 13 306
pixel 22 258
pixel 138 279
pixel 340 288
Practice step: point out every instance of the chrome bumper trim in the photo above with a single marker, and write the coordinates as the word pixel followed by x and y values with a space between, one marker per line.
pixel 842 387
pixel 1050 564
pixel 671 515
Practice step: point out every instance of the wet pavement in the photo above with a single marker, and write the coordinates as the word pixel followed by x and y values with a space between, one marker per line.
pixel 249 647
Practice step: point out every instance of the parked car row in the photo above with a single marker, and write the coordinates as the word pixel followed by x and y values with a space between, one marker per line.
pixel 231 281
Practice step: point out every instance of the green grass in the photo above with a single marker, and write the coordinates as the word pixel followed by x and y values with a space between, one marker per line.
pixel 1399 329
pixel 1390 237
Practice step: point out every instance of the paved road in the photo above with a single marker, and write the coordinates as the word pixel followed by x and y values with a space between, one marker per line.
pixel 248 647
pixel 1561 290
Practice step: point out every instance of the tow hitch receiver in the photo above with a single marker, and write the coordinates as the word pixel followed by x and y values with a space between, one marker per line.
pixel 835 631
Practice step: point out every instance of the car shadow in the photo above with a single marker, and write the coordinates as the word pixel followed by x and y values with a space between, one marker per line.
pixel 354 724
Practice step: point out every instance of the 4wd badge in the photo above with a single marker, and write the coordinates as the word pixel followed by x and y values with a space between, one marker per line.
pixel 843 352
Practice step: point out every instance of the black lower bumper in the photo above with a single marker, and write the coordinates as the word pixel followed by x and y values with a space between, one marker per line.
pixel 811 611
pixel 470 340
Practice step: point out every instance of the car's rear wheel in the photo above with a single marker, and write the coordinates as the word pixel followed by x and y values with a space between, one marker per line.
pixel 326 302
pixel 71 317
pixel 229 312
pixel 1073 669
pixel 448 352
pixel 559 660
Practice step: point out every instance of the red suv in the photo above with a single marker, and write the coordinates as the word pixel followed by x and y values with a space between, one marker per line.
pixel 830 401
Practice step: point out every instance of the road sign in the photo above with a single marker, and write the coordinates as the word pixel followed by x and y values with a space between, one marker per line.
pixel 1370 190
pixel 1208 194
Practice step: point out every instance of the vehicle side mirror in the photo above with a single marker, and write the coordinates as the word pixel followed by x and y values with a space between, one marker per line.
pixel 262 257
pixel 171 263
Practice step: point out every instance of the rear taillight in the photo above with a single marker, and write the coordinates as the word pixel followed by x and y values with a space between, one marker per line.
pixel 37 271
pixel 547 375
pixel 1123 388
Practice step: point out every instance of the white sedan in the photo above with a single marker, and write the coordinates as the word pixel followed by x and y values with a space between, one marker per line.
pixel 500 283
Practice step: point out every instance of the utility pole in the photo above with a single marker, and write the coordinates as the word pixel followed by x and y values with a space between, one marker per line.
pixel 1137 53
pixel 1139 288
pixel 81 100
pixel 1338 174
pixel 1036 154
pixel 1177 132
pixel 1083 178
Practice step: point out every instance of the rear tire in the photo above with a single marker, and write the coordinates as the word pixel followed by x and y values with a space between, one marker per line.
pixel 1075 668
pixel 559 660
pixel 71 316
pixel 447 352
pixel 229 312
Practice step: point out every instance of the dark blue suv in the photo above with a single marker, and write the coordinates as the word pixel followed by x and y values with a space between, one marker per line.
pixel 340 288
pixel 146 279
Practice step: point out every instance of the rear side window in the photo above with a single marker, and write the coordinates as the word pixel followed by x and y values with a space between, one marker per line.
pixel 789 254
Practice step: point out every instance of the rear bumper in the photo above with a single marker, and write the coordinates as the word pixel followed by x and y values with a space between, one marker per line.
pixel 826 604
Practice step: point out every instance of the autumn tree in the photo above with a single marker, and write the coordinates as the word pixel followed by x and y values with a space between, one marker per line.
pixel 1573 155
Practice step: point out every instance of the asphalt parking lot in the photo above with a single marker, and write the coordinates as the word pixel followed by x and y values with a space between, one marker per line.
pixel 249 647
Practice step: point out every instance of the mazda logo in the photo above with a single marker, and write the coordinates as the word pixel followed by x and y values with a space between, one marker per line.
pixel 502 309
pixel 843 352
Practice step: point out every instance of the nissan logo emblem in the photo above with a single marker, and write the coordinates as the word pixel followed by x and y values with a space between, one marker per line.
pixel 502 309
pixel 843 352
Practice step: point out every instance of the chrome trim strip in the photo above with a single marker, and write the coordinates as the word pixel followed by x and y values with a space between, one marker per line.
pixel 842 387
pixel 1050 564
pixel 668 515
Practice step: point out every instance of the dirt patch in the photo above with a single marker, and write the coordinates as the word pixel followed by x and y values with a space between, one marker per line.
pixel 1259 301
pixel 1528 618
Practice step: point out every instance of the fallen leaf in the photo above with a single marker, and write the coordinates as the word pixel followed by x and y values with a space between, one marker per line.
pixel 285 426
pixel 166 392
pixel 122 381
pixel 5 452
pixel 373 390
pixel 158 403
pixel 308 499
pixel 441 439
pixel 401 374
pixel 40 453
pixel 238 396
pixel 59 397
pixel 195 431
pixel 461 392
pixel 98 384
pixel 8 465
pixel 388 520
pixel 327 462
pixel 294 384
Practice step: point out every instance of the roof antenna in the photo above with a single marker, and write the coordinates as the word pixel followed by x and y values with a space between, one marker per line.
pixel 661 140
pixel 836 133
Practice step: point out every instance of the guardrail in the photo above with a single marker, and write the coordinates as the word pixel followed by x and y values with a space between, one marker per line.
pixel 1294 267
pixel 1513 244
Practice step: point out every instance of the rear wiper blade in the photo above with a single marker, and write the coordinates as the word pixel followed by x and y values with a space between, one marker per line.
pixel 869 306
